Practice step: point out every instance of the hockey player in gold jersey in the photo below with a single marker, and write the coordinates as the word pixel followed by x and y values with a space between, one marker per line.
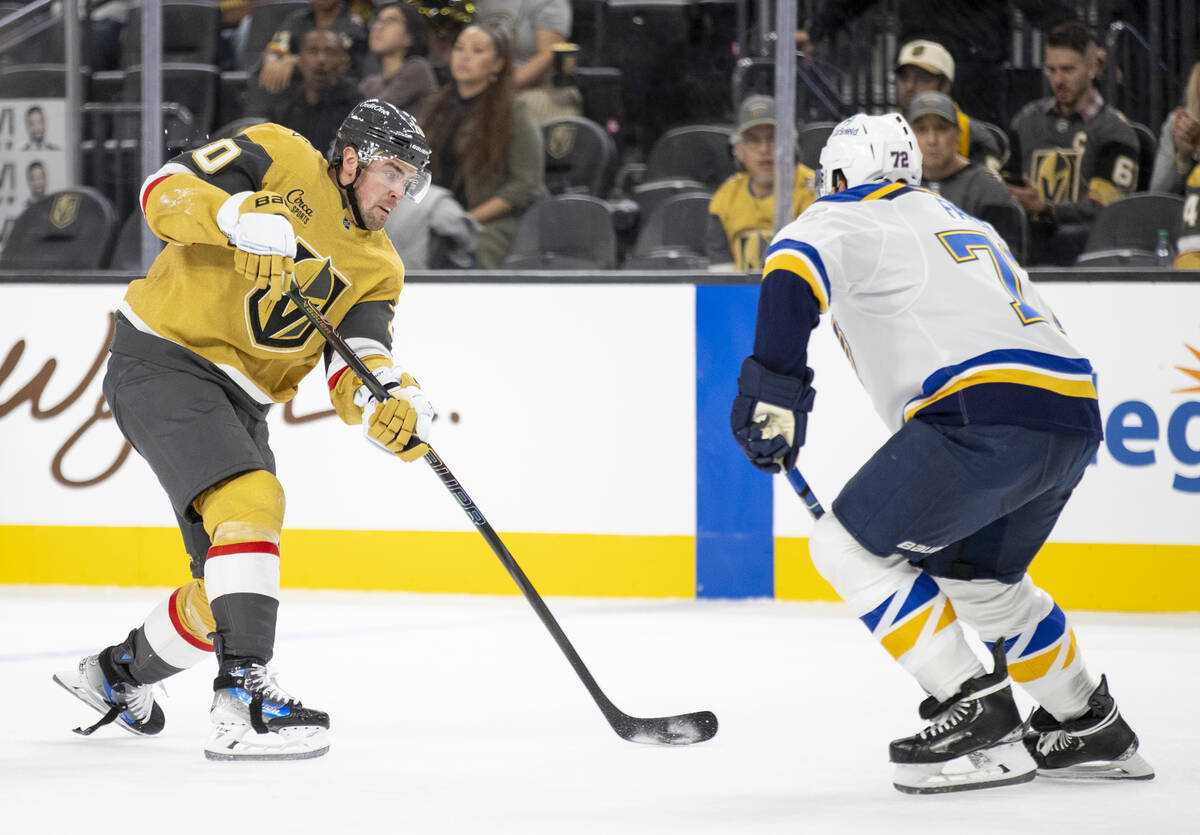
pixel 204 345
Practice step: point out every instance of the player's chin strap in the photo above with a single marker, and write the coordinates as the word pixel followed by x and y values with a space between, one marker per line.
pixel 352 197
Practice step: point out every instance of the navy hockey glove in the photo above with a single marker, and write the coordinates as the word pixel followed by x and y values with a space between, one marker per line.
pixel 770 415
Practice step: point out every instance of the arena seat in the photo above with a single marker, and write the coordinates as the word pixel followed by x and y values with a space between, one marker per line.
pixel 673 236
pixel 68 229
pixel 580 156
pixel 692 152
pixel 567 231
pixel 1126 232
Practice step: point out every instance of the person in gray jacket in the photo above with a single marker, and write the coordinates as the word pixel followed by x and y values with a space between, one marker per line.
pixel 969 185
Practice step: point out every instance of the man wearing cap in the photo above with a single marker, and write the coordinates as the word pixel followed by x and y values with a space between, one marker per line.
pixel 742 212
pixel 966 184
pixel 1073 153
pixel 923 66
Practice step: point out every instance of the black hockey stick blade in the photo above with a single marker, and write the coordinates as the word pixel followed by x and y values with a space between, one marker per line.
pixel 685 729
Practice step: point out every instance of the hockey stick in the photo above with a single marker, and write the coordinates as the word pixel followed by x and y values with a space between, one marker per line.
pixel 684 729
pixel 805 493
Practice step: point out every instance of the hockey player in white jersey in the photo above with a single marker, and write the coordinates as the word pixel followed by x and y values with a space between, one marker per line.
pixel 995 419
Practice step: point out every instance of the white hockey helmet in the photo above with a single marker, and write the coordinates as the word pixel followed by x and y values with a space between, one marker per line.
pixel 866 148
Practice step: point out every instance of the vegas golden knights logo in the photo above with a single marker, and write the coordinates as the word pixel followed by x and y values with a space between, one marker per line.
pixel 65 210
pixel 750 249
pixel 1056 173
pixel 280 324
pixel 560 141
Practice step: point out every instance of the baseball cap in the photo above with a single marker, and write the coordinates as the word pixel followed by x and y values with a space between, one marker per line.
pixel 932 102
pixel 928 55
pixel 755 110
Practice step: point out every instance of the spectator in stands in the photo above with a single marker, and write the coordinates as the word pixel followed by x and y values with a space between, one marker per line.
pixel 35 129
pixel 1076 153
pixel 35 178
pixel 1179 142
pixel 326 95
pixel 966 184
pixel 280 57
pixel 487 149
pixel 923 66
pixel 397 39
pixel 741 219
pixel 535 26
pixel 1187 247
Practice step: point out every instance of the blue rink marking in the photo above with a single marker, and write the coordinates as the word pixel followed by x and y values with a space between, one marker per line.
pixel 735 540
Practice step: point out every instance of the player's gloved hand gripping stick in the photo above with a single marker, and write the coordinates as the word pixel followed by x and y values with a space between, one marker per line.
pixel 683 729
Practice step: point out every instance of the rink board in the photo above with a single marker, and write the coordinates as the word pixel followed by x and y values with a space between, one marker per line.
pixel 590 425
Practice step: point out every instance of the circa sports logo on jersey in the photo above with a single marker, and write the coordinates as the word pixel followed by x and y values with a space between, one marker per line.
pixel 280 325
pixel 295 201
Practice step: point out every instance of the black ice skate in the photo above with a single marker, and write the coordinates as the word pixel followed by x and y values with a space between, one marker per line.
pixel 973 741
pixel 1097 745
pixel 255 719
pixel 101 683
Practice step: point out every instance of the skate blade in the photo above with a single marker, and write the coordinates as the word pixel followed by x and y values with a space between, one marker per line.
pixel 233 743
pixel 1001 765
pixel 70 681
pixel 1130 767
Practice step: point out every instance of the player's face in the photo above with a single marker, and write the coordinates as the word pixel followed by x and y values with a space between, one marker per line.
pixel 380 188
pixel 473 60
pixel 1070 75
pixel 755 150
pixel 389 32
pixel 938 140
pixel 911 80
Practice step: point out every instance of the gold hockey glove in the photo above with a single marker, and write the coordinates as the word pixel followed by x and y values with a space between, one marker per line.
pixel 401 423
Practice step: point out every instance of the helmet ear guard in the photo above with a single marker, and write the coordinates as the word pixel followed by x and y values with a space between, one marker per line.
pixel 867 148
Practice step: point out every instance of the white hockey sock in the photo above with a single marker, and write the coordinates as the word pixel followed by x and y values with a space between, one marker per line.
pixel 901 605
pixel 1040 644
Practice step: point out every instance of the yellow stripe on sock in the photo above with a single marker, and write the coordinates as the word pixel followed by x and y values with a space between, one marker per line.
pixel 1035 667
pixel 948 617
pixel 904 638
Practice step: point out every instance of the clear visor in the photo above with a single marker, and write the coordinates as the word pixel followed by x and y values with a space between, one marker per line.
pixel 399 175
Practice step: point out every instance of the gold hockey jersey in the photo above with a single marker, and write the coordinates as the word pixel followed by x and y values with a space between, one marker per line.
pixel 193 297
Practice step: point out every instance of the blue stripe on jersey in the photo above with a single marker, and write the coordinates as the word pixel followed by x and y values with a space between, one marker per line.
pixel 852 195
pixel 871 618
pixel 1005 356
pixel 1051 628
pixel 807 250
pixel 923 590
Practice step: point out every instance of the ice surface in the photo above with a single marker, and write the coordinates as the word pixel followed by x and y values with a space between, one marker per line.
pixel 456 714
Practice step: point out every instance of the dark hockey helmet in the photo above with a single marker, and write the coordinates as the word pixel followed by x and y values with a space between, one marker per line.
pixel 380 129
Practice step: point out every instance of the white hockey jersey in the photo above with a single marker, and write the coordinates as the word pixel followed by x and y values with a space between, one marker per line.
pixel 933 311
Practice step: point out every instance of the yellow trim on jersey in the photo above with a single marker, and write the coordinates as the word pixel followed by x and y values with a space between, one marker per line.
pixel 793 263
pixel 884 191
pixel 1021 376
pixel 964 131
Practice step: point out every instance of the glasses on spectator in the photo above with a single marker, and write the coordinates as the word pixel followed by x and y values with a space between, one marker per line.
pixel 388 19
